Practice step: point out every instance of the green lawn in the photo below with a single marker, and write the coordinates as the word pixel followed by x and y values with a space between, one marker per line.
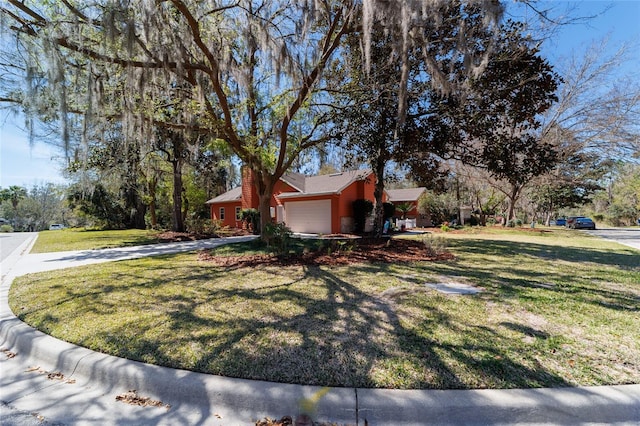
pixel 81 239
pixel 559 308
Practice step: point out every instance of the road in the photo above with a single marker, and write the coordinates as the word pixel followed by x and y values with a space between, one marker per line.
pixel 12 247
pixel 627 236
pixel 10 241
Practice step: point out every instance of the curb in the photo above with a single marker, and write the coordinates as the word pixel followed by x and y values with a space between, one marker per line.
pixel 593 405
pixel 239 401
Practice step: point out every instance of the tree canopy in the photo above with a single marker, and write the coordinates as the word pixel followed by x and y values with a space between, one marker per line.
pixel 248 73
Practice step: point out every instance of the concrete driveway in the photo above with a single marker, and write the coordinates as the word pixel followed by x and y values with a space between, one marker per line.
pixel 627 236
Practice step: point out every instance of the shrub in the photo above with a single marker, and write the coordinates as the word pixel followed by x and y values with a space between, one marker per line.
pixel 388 210
pixel 202 226
pixel 100 205
pixel 278 237
pixel 251 219
pixel 511 224
pixel 361 210
pixel 339 246
pixel 445 227
pixel 6 228
pixel 439 207
pixel 434 245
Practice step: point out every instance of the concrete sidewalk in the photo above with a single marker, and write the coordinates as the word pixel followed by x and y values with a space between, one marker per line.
pixel 48 379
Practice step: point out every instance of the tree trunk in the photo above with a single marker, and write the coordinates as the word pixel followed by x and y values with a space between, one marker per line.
pixel 135 206
pixel 483 216
pixel 152 214
pixel 138 214
pixel 264 183
pixel 513 197
pixel 151 187
pixel 265 210
pixel 185 206
pixel 177 221
pixel 378 191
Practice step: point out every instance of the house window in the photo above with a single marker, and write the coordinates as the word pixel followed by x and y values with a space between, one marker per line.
pixel 238 210
pixel 221 213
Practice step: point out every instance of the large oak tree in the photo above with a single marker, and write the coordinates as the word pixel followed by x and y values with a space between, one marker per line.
pixel 253 70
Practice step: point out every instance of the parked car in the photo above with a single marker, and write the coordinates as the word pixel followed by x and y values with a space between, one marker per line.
pixel 56 226
pixel 561 221
pixel 584 223
pixel 572 219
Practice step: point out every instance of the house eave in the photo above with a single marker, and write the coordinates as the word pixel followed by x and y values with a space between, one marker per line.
pixel 287 195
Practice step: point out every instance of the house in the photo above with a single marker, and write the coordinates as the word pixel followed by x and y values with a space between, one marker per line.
pixel 307 204
pixel 409 196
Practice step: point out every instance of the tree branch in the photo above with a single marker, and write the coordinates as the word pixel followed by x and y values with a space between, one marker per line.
pixel 213 73
pixel 329 45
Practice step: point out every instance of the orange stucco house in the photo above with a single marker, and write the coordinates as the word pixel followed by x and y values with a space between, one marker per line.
pixel 307 204
pixel 409 196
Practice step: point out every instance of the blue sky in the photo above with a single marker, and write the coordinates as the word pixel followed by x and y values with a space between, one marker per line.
pixel 27 166
pixel 22 164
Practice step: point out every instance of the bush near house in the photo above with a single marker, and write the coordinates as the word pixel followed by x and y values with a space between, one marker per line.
pixel 361 210
pixel 251 219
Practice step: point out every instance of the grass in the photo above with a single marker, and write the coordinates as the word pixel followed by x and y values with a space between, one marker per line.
pixel 81 239
pixel 558 309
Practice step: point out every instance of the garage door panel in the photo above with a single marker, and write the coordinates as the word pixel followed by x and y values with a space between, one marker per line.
pixel 312 217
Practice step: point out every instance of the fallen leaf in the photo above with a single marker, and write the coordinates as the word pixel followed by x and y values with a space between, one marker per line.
pixel 55 376
pixel 131 397
pixel 8 353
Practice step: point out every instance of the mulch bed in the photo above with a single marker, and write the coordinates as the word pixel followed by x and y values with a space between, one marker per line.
pixel 363 251
pixel 174 237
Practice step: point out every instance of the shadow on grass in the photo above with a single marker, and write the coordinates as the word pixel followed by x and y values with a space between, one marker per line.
pixel 518 278
pixel 332 332
pixel 335 335
pixel 623 258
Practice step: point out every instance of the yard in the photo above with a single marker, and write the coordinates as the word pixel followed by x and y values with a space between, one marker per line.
pixel 82 239
pixel 558 308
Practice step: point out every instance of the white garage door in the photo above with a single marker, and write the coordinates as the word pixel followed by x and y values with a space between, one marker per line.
pixel 312 217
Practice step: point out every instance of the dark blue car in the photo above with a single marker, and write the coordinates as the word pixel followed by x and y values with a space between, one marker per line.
pixel 583 223
pixel 561 221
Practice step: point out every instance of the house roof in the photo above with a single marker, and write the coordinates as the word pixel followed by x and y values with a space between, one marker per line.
pixel 409 194
pixel 296 180
pixel 234 195
pixel 306 185
pixel 327 184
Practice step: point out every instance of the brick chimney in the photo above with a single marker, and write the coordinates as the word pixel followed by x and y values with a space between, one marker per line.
pixel 249 192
